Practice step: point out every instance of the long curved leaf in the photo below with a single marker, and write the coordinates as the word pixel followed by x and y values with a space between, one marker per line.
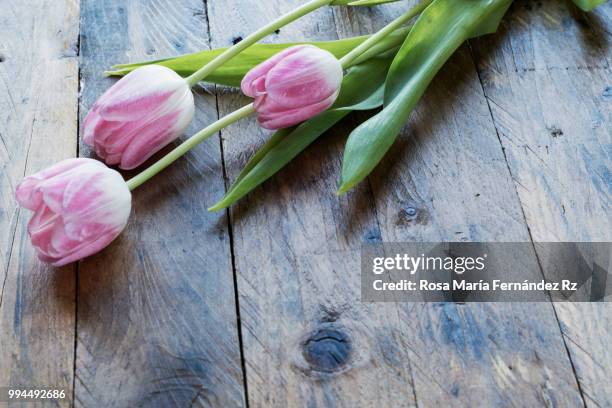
pixel 440 30
pixel 370 2
pixel 234 70
pixel 588 5
pixel 358 87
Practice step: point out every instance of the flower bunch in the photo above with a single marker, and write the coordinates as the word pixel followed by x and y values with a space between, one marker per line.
pixel 80 205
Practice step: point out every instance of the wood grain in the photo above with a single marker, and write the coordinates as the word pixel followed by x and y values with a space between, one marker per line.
pixel 156 312
pixel 511 143
pixel 446 180
pixel 38 124
pixel 431 188
pixel 547 77
pixel 307 339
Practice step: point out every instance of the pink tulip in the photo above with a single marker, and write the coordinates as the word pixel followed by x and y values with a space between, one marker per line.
pixel 293 86
pixel 79 206
pixel 139 115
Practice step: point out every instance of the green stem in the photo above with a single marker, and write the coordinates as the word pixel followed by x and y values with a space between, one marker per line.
pixel 253 38
pixel 391 42
pixel 372 46
pixel 189 144
pixel 352 56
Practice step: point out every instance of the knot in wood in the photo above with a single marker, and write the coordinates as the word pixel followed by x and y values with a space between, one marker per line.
pixel 327 350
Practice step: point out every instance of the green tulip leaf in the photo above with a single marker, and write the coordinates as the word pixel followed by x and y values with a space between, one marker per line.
pixel 231 73
pixel 370 2
pixel 588 5
pixel 360 2
pixel 361 89
pixel 437 34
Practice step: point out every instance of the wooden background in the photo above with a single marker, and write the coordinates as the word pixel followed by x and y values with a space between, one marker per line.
pixel 260 305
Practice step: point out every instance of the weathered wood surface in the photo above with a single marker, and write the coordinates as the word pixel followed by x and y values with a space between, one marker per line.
pixel 305 278
pixel 156 313
pixel 296 248
pixel 511 143
pixel 447 180
pixel 38 124
pixel 547 79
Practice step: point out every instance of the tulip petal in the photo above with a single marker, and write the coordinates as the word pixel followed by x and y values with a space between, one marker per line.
pixel 135 96
pixel 28 192
pixel 60 243
pixel 304 78
pixel 90 124
pixel 285 119
pixel 40 228
pixel 82 206
pixel 93 202
pixel 262 69
pixel 54 189
pixel 87 249
pixel 129 111
pixel 150 141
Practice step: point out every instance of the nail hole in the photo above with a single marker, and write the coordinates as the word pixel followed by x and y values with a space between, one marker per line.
pixel 555 132
pixel 410 211
pixel 410 215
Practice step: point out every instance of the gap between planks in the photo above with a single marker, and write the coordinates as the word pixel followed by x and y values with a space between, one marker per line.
pixel 230 229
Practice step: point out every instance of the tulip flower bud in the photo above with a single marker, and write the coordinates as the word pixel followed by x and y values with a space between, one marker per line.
pixel 79 206
pixel 293 86
pixel 138 116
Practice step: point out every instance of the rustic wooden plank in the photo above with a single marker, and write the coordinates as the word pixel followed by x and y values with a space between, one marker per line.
pixel 156 312
pixel 38 124
pixel 307 340
pixel 297 250
pixel 446 180
pixel 548 85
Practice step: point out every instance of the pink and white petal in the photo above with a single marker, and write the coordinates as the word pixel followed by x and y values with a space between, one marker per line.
pixel 143 90
pixel 262 69
pixel 42 218
pixel 113 159
pixel 84 194
pixel 106 129
pixel 87 249
pixel 259 102
pixel 93 208
pixel 91 122
pixel 41 235
pixel 286 119
pixel 28 193
pixel 151 139
pixel 54 189
pixel 82 230
pixel 45 258
pixel 61 243
pixel 118 140
pixel 258 87
pixel 304 78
